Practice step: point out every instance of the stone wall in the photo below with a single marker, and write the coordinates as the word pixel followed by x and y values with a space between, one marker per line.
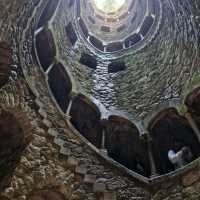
pixel 58 160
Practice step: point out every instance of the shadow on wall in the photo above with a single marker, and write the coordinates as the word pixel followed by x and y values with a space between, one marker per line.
pixel 4 198
pixel 46 195
pixel 5 61
pixel 15 135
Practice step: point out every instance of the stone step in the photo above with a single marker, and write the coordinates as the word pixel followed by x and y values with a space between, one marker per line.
pixel 47 123
pixel 39 103
pixel 89 179
pixel 59 140
pixel 65 151
pixel 52 132
pixel 42 112
pixel 99 187
pixel 109 196
pixel 81 170
pixel 72 162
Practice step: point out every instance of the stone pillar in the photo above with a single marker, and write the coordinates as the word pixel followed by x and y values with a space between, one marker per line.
pixel 193 125
pixel 124 46
pixel 151 158
pixel 103 149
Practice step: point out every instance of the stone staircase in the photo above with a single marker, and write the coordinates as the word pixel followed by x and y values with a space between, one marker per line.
pixel 68 144
pixel 79 169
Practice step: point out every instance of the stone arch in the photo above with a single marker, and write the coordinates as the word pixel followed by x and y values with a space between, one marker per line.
pixel 45 47
pixel 169 130
pixel 192 101
pixel 60 85
pixel 85 116
pixel 15 135
pixel 5 61
pixel 124 144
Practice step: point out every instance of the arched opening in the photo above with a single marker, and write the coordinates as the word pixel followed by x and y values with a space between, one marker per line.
pixel 192 101
pixel 85 116
pixel 124 145
pixel 171 131
pixel 60 85
pixel 46 48
pixel 47 13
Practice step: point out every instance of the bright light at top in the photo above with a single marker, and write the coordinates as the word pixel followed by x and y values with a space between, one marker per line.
pixel 108 6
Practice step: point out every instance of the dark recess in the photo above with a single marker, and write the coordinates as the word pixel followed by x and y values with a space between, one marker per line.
pixel 169 130
pixel 71 33
pixel 88 60
pixel 46 48
pixel 60 85
pixel 85 116
pixel 48 12
pixel 116 66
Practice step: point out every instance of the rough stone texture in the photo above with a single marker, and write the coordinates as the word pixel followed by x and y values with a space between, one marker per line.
pixel 43 165
pixel 191 178
pixel 180 191
pixel 3 198
pixel 160 73
pixel 15 135
pixel 47 195
pixel 192 101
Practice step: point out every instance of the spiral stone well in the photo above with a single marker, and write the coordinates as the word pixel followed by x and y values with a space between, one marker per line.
pixel 94 94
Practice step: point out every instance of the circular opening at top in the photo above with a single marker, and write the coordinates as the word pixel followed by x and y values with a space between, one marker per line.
pixel 109 6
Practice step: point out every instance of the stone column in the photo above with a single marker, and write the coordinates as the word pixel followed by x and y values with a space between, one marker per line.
pixel 124 46
pixel 151 158
pixel 103 149
pixel 193 124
